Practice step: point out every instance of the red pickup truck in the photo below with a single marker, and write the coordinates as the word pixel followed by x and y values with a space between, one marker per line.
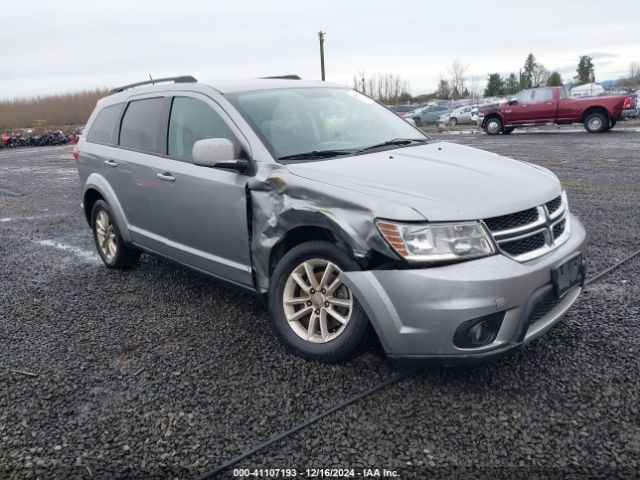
pixel 535 106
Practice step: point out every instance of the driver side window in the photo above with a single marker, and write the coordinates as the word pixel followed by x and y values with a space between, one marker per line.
pixel 192 120
pixel 525 96
pixel 543 95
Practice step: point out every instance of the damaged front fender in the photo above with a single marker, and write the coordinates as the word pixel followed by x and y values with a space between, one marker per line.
pixel 280 202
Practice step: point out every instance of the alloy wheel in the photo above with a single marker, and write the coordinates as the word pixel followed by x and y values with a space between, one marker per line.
pixel 106 235
pixel 317 305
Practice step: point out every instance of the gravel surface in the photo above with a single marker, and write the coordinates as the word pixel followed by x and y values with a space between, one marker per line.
pixel 160 372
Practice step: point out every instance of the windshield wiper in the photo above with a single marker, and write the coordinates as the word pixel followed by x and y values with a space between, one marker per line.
pixel 316 154
pixel 395 142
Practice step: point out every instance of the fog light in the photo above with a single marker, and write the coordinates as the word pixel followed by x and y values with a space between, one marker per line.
pixel 479 331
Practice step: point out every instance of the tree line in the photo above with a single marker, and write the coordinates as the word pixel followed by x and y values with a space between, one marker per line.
pixel 534 74
pixel 65 109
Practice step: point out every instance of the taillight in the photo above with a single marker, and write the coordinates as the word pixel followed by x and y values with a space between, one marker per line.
pixel 76 152
pixel 627 103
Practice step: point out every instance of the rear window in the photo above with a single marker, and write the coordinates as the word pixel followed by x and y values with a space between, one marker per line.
pixel 104 126
pixel 141 128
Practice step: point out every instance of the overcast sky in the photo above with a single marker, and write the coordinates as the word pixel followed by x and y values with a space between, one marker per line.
pixel 61 46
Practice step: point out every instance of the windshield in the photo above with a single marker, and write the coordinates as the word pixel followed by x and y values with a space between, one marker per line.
pixel 327 121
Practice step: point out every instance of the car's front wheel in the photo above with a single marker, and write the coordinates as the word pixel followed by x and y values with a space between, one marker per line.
pixel 111 248
pixel 493 126
pixel 313 313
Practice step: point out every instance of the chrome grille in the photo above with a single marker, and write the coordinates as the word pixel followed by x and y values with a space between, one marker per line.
pixel 533 232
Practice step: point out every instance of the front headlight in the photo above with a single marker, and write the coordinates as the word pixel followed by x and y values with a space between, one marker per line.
pixel 437 242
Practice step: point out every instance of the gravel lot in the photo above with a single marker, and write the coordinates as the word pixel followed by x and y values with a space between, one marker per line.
pixel 161 372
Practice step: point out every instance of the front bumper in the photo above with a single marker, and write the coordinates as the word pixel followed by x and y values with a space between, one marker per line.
pixel 416 312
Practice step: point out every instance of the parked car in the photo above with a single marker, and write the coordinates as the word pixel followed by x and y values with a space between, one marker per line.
pixel 402 110
pixel 449 253
pixel 535 106
pixel 474 115
pixel 460 115
pixel 428 114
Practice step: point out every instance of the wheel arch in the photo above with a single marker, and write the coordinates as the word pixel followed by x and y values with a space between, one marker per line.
pixel 595 109
pixel 303 233
pixel 97 188
pixel 91 196
pixel 490 116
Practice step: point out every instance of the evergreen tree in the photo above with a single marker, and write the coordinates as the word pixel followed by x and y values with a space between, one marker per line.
pixel 530 67
pixel 444 90
pixel 554 80
pixel 512 85
pixel 586 73
pixel 495 85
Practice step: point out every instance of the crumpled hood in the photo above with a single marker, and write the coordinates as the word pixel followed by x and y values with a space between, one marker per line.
pixel 442 181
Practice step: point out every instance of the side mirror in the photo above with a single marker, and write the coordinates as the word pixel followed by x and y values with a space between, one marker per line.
pixel 513 101
pixel 218 153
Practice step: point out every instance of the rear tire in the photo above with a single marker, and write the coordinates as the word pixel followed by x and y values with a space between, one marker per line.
pixel 301 319
pixel 508 130
pixel 109 243
pixel 493 126
pixel 596 122
pixel 417 121
pixel 453 122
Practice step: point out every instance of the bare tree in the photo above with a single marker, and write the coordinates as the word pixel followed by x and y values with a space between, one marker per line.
pixel 386 87
pixel 634 71
pixel 539 75
pixel 360 83
pixel 474 88
pixel 456 72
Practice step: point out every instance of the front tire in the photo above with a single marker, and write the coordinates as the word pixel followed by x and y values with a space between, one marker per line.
pixel 111 248
pixel 313 313
pixel 508 130
pixel 493 126
pixel 596 122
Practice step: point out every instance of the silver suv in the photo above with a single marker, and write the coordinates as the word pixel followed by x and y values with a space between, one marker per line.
pixel 343 215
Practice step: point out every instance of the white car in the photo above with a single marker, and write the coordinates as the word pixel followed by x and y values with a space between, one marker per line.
pixel 460 115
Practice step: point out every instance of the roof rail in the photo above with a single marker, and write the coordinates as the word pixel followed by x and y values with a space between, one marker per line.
pixel 282 77
pixel 181 79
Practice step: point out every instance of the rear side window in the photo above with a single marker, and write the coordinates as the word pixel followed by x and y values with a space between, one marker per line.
pixel 104 126
pixel 192 120
pixel 141 128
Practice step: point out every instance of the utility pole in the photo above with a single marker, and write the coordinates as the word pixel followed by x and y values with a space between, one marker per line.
pixel 321 37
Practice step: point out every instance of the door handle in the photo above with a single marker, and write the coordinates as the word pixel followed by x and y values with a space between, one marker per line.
pixel 166 177
pixel 111 163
